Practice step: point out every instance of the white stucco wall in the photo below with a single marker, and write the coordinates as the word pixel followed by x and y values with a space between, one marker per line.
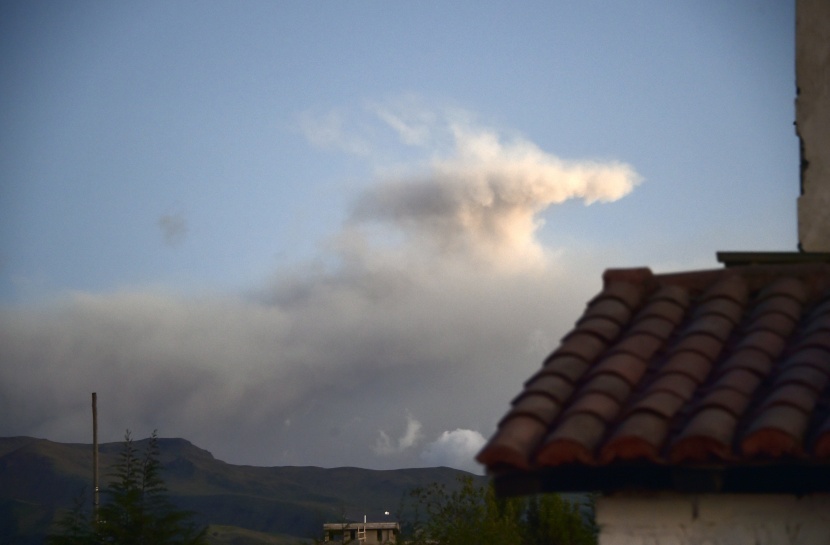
pixel 716 519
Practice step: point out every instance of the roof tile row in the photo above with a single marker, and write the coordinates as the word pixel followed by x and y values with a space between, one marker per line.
pixel 728 367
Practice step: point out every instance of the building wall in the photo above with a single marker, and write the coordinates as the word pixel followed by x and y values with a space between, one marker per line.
pixel 812 67
pixel 341 533
pixel 716 519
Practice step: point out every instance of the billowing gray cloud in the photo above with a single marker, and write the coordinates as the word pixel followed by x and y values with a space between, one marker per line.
pixel 435 302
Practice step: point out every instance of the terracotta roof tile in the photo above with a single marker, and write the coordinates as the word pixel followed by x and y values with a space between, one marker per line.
pixel 739 380
pixel 799 396
pixel 573 440
pixel 813 377
pixel 609 384
pixel 540 407
pixel 733 401
pixel 512 445
pixel 640 345
pixel 755 361
pixel 693 364
pixel 728 367
pixel 629 293
pixel 728 308
pixel 554 386
pixel 707 436
pixel 598 404
pixel 626 366
pixel 582 345
pixel 679 384
pixel 611 309
pixel 769 343
pixel 604 328
pixel 790 308
pixel 775 432
pixel 568 367
pixel 640 436
pixel 660 402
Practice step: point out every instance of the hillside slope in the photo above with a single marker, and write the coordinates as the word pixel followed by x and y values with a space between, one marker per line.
pixel 39 478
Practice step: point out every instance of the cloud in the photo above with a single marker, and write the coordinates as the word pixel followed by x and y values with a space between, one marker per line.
pixel 435 290
pixel 173 227
pixel 412 121
pixel 456 449
pixel 483 200
pixel 327 131
pixel 384 446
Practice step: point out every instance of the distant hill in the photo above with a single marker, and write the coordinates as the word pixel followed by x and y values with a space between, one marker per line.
pixel 242 504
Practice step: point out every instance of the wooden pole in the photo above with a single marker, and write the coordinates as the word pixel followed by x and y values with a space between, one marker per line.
pixel 94 457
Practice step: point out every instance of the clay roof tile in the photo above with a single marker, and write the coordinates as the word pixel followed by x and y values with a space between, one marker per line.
pixel 750 359
pixel 707 436
pixel 640 436
pixel 573 440
pixel 693 364
pixel 538 406
pixel 611 309
pixel 660 402
pixel 553 386
pixel 626 366
pixel 725 368
pixel 778 431
pixel 582 345
pixel 569 367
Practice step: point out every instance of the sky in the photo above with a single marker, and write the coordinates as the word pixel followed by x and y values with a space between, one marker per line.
pixel 344 233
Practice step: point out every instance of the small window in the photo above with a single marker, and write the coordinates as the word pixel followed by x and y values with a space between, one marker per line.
pixel 380 536
pixel 353 535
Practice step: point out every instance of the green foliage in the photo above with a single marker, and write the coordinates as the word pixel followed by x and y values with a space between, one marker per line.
pixel 76 528
pixel 137 509
pixel 474 514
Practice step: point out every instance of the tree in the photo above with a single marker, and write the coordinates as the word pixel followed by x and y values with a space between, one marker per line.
pixel 137 509
pixel 474 514
pixel 76 528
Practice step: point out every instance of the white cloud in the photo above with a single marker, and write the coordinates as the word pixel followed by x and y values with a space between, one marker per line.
pixel 384 445
pixel 411 120
pixel 456 449
pixel 480 198
pixel 327 131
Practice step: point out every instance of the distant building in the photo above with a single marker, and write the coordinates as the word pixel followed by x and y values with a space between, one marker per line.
pixel 370 533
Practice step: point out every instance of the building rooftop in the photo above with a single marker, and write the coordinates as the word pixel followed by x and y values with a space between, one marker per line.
pixel 367 525
pixel 711 381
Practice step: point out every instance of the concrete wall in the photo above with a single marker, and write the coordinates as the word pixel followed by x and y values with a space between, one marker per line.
pixel 722 519
pixel 812 67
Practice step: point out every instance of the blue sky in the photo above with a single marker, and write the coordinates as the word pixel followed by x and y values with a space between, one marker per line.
pixel 235 219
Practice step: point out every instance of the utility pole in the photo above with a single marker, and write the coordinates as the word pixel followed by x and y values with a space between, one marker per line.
pixel 94 457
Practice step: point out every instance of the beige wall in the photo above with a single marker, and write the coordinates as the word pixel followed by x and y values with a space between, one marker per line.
pixel 714 519
pixel 813 122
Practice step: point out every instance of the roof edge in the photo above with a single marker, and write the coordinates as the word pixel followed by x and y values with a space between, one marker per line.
pixel 739 259
pixel 790 478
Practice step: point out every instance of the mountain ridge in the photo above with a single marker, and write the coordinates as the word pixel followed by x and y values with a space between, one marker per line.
pixel 39 479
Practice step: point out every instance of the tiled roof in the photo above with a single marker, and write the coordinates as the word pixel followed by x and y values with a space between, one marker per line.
pixel 668 375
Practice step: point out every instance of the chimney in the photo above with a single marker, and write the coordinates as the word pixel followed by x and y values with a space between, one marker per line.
pixel 812 121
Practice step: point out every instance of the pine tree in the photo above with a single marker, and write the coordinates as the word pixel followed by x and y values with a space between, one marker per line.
pixel 75 526
pixel 137 509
